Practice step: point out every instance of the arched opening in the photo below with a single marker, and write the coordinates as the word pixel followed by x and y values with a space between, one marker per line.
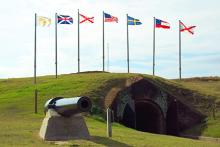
pixel 128 117
pixel 149 105
pixel 172 119
pixel 149 117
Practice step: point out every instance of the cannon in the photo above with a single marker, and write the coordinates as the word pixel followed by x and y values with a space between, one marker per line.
pixel 69 124
pixel 68 106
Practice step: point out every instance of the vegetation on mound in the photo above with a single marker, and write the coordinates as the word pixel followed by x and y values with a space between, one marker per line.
pixel 18 123
pixel 209 86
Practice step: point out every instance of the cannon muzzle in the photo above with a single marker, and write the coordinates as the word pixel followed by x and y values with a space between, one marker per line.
pixel 68 106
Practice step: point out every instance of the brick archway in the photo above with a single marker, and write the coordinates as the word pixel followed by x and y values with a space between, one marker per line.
pixel 149 117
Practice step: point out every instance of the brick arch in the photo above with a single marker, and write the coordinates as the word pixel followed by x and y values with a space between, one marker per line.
pixel 145 106
pixel 149 117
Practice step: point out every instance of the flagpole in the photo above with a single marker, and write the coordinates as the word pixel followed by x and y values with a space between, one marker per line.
pixel 154 48
pixel 127 45
pixel 180 64
pixel 108 57
pixel 103 17
pixel 35 64
pixel 78 44
pixel 56 44
pixel 35 49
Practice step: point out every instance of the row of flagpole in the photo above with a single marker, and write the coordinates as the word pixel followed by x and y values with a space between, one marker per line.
pixel 130 21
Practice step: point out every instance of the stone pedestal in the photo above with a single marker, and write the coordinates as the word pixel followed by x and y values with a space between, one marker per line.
pixel 56 127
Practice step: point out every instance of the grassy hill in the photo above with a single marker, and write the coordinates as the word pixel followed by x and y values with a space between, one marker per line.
pixel 209 86
pixel 19 126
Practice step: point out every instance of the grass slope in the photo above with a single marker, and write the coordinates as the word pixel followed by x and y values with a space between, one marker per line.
pixel 19 126
pixel 209 86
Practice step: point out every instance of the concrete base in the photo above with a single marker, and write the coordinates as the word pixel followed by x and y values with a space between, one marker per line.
pixel 56 127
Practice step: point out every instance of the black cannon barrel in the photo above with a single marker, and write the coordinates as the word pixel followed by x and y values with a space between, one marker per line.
pixel 69 106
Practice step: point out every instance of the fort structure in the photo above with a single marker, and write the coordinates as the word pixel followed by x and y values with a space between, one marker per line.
pixel 143 105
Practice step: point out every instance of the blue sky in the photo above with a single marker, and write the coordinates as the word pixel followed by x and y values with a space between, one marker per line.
pixel 200 52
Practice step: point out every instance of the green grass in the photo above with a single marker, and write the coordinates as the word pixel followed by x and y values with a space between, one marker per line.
pixel 209 86
pixel 20 127
pixel 213 128
pixel 23 131
pixel 18 94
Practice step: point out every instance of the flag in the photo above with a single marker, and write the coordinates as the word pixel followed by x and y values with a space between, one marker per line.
pixel 43 21
pixel 84 18
pixel 183 28
pixel 64 19
pixel 162 24
pixel 133 21
pixel 110 18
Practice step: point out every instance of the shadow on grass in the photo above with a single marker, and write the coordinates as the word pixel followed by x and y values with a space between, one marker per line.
pixel 107 141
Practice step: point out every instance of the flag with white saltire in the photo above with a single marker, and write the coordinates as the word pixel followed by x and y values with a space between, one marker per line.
pixel 64 19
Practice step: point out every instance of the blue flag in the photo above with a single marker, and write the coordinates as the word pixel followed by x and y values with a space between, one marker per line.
pixel 133 21
pixel 64 19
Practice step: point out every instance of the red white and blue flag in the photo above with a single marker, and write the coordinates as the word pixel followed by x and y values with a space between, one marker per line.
pixel 64 19
pixel 183 28
pixel 162 24
pixel 110 18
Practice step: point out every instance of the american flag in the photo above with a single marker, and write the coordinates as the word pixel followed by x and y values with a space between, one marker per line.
pixel 109 18
pixel 64 19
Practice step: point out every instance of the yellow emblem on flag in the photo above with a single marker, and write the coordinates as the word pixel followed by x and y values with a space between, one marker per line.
pixel 43 21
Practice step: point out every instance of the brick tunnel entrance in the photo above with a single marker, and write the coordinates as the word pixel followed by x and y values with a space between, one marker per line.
pixel 149 117
pixel 146 107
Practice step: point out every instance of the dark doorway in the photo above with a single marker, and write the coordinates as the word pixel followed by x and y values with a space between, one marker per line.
pixel 172 119
pixel 149 117
pixel 128 117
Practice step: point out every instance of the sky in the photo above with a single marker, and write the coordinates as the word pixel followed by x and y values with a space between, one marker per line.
pixel 200 52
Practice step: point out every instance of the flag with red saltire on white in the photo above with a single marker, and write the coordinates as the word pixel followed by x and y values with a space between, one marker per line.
pixel 85 19
pixel 189 29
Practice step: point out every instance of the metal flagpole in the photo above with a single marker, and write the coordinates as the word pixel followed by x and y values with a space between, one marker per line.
pixel 103 68
pixel 78 45
pixel 56 44
pixel 180 66
pixel 35 64
pixel 108 56
pixel 35 49
pixel 154 48
pixel 127 45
